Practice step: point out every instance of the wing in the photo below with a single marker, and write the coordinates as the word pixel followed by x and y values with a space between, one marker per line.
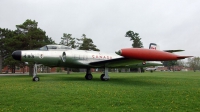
pixel 171 51
pixel 123 62
pixel 179 57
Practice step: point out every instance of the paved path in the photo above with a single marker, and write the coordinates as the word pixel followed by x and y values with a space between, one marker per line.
pixel 11 74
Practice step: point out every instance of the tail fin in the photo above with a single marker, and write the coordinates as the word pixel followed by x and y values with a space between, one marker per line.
pixel 154 46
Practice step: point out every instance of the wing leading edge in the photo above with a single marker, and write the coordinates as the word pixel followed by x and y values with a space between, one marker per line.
pixel 123 62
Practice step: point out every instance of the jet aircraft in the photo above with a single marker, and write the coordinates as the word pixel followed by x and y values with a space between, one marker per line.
pixel 62 56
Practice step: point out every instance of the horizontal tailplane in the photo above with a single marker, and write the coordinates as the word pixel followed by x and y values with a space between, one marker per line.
pixel 183 57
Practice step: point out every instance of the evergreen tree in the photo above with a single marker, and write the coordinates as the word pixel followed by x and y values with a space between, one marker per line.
pixel 135 38
pixel 136 44
pixel 3 52
pixel 68 40
pixel 31 37
pixel 87 44
pixel 7 46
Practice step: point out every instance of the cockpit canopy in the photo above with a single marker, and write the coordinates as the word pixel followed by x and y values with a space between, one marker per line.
pixel 54 47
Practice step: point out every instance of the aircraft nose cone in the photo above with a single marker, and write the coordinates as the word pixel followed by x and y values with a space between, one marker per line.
pixel 17 55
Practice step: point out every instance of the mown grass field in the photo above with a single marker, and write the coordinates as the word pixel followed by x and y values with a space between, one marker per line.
pixel 158 91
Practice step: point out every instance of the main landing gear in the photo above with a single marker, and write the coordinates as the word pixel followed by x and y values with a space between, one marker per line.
pixel 88 75
pixel 35 78
pixel 103 77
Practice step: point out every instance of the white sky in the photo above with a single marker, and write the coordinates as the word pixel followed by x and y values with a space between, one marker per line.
pixel 173 24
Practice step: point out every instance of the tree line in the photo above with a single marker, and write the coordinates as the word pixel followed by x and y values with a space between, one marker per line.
pixel 83 43
pixel 28 36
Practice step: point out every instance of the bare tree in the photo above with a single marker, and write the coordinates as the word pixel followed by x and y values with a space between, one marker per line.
pixel 194 63
pixel 181 63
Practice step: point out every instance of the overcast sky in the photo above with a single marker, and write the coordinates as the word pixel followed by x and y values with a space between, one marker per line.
pixel 173 24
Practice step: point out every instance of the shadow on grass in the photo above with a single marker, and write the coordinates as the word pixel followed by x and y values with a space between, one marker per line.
pixel 126 81
pixel 135 81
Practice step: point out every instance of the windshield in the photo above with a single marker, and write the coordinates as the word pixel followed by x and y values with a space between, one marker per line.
pixel 54 47
pixel 44 48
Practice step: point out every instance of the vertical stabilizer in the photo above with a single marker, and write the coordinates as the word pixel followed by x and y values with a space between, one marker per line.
pixel 154 46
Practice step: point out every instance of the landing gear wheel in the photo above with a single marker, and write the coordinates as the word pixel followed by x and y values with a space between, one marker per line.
pixel 36 79
pixel 88 76
pixel 103 79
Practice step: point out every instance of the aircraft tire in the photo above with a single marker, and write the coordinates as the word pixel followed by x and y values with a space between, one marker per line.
pixel 88 76
pixel 36 79
pixel 102 75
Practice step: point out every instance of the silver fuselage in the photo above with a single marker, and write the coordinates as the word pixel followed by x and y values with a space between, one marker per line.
pixel 80 59
pixel 74 58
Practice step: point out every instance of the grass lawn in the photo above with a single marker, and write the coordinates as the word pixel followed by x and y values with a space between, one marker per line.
pixel 158 91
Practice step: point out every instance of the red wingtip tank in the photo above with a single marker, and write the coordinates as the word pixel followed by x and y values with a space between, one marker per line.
pixel 149 54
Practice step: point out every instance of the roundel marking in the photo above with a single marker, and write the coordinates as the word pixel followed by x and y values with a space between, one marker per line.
pixel 63 57
pixel 41 56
